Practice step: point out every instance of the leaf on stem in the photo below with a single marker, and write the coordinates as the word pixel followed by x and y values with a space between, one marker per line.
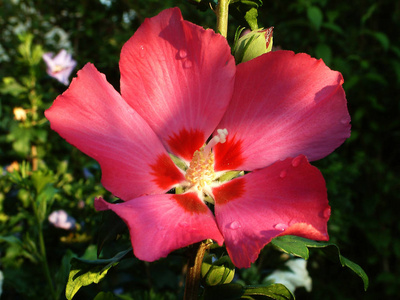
pixel 85 272
pixel 298 246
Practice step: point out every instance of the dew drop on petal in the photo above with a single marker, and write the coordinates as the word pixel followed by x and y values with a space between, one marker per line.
pixel 182 53
pixel 327 212
pixel 235 225
pixel 296 161
pixel 344 121
pixel 142 51
pixel 280 226
pixel 187 64
pixel 283 174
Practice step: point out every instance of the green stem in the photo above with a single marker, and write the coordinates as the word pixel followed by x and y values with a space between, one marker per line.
pixel 42 246
pixel 193 275
pixel 45 265
pixel 222 17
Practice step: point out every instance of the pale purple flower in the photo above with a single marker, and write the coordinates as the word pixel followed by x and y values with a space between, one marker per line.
pixel 59 66
pixel 60 219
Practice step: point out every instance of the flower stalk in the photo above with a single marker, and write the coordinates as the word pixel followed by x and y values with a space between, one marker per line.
pixel 222 17
pixel 193 275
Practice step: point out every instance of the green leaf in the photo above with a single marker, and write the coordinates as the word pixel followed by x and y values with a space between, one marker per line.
pixel 111 227
pixel 17 248
pixel 298 246
pixel 315 16
pixel 20 138
pixel 41 179
pixel 246 12
pixel 324 51
pixel 44 200
pixel 85 272
pixel 369 13
pixel 273 291
pixel 36 55
pixel 251 18
pixel 61 276
pixel 107 261
pixel 380 37
pixel 80 276
pixel 11 86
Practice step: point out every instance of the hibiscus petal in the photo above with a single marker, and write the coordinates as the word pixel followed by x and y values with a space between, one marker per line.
pixel 93 117
pixel 288 197
pixel 283 105
pixel 159 224
pixel 179 78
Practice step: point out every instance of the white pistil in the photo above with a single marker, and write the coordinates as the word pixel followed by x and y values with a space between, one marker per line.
pixel 219 138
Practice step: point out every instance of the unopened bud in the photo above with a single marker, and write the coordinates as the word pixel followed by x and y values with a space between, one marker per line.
pixel 253 44
pixel 217 271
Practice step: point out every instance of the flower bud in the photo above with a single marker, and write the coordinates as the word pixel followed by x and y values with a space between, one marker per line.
pixel 253 44
pixel 217 271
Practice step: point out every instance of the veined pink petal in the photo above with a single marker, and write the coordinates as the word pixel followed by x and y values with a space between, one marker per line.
pixel 159 224
pixel 179 78
pixel 283 105
pixel 93 117
pixel 288 197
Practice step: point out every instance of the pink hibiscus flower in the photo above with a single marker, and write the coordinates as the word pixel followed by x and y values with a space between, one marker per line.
pixel 179 86
pixel 59 66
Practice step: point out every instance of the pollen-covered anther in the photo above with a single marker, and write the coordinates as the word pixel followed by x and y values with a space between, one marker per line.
pixel 201 169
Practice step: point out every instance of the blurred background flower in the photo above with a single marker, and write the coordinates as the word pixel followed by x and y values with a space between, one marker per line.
pixel 60 219
pixel 294 276
pixel 60 66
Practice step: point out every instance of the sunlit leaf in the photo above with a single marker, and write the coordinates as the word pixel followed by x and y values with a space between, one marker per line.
pixel 80 275
pixel 246 11
pixel 61 276
pixel 85 272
